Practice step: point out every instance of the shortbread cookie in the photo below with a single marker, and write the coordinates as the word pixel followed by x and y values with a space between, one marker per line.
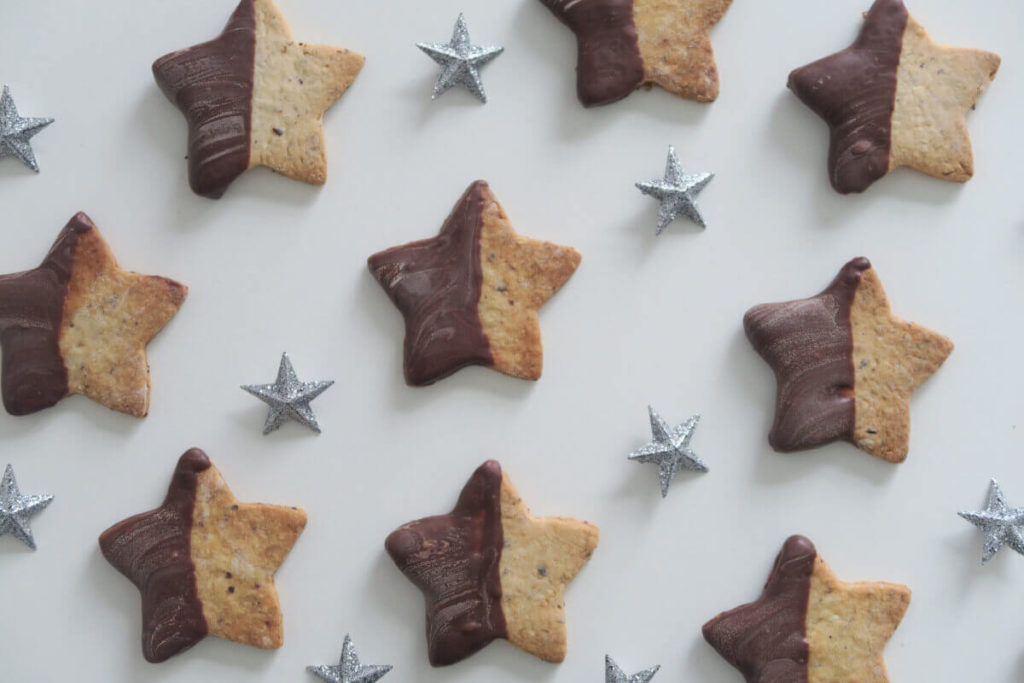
pixel 78 324
pixel 894 98
pixel 489 570
pixel 470 295
pixel 626 44
pixel 808 626
pixel 204 562
pixel 845 367
pixel 255 97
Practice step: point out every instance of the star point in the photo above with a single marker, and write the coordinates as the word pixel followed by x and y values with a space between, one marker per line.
pixel 614 674
pixel 1002 524
pixel 670 449
pixel 16 131
pixel 676 193
pixel 288 398
pixel 460 61
pixel 349 669
pixel 16 509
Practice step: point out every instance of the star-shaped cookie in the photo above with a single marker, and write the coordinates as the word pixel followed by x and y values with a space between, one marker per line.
pixel 78 324
pixel 626 44
pixel 844 365
pixel 255 97
pixel 204 562
pixel 895 98
pixel 470 295
pixel 810 626
pixel 490 570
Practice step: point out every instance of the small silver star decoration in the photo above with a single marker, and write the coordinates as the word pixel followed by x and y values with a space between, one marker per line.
pixel 1002 524
pixel 15 509
pixel 349 670
pixel 460 61
pixel 670 449
pixel 613 674
pixel 16 131
pixel 677 192
pixel 288 398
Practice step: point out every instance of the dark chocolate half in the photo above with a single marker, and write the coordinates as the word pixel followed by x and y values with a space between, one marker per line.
pixel 454 559
pixel 436 283
pixel 33 375
pixel 766 640
pixel 153 550
pixel 809 345
pixel 212 85
pixel 609 65
pixel 854 91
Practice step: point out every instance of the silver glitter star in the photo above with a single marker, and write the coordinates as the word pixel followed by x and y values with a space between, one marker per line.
pixel 613 674
pixel 677 192
pixel 670 449
pixel 15 509
pixel 15 132
pixel 349 670
pixel 288 398
pixel 1002 524
pixel 460 60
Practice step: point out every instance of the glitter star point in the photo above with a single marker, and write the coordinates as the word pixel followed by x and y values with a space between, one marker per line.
pixel 1002 524
pixel 670 449
pixel 16 509
pixel 16 131
pixel 460 61
pixel 349 669
pixel 614 674
pixel 288 398
pixel 677 192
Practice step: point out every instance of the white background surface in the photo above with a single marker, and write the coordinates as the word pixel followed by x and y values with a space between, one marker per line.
pixel 276 265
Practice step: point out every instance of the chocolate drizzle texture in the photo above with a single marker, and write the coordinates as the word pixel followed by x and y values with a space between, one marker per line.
pixel 33 375
pixel 454 559
pixel 609 65
pixel 766 639
pixel 809 345
pixel 436 285
pixel 153 550
pixel 854 91
pixel 212 84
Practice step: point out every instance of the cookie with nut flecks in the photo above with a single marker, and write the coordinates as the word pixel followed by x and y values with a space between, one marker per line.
pixel 845 367
pixel 895 98
pixel 79 324
pixel 808 626
pixel 204 562
pixel 623 45
pixel 488 570
pixel 470 295
pixel 255 97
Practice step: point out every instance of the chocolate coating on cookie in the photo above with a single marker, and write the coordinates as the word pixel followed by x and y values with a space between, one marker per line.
pixel 454 560
pixel 766 639
pixel 435 283
pixel 212 85
pixel 854 91
pixel 31 309
pixel 609 65
pixel 153 550
pixel 809 345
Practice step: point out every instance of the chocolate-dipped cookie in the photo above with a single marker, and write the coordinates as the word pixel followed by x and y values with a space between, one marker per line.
pixel 255 97
pixel 204 563
pixel 470 295
pixel 808 626
pixel 78 324
pixel 894 98
pixel 626 44
pixel 844 365
pixel 489 570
